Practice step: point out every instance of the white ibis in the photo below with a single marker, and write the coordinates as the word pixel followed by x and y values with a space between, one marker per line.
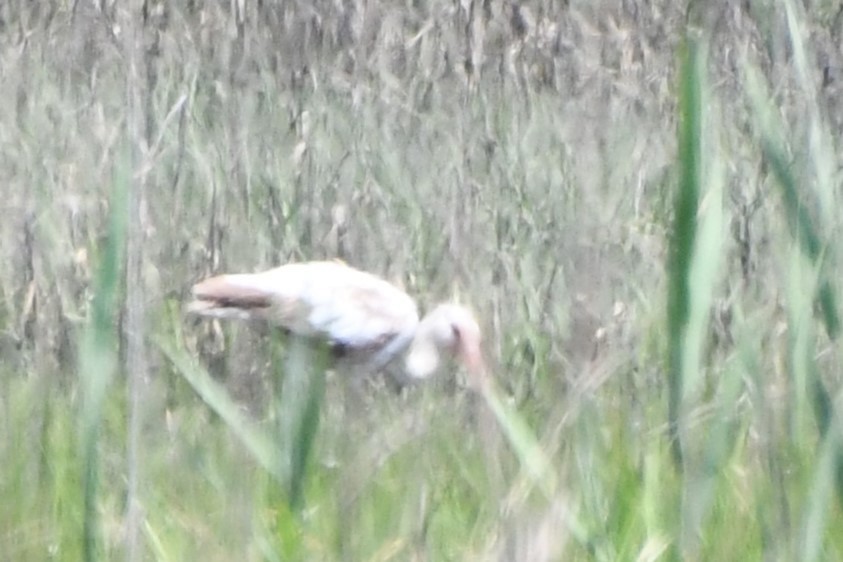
pixel 354 311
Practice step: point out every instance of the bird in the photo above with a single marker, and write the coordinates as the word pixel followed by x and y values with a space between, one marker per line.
pixel 359 315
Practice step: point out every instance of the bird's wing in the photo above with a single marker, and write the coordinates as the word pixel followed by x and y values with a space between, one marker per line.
pixel 330 300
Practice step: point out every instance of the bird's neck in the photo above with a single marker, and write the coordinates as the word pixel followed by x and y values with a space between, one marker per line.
pixel 395 347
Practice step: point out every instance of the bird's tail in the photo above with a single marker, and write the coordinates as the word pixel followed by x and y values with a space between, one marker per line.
pixel 230 296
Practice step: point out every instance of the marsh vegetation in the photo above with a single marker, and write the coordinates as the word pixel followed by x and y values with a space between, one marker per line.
pixel 640 201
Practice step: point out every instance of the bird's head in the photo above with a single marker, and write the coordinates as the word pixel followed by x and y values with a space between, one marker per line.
pixel 449 330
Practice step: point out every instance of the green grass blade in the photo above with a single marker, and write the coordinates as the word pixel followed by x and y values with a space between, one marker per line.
pixel 299 412
pixel 694 273
pixel 683 237
pixel 98 358
pixel 258 443
pixel 819 499
pixel 806 234
pixel 523 441
pixel 530 454
pixel 801 226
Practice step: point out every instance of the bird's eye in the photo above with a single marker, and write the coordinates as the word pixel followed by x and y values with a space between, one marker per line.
pixel 455 332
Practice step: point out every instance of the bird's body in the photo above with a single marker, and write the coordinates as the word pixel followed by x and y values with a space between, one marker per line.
pixel 350 309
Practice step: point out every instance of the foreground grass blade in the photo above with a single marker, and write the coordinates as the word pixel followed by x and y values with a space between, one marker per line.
pixel 682 240
pixel 806 234
pixel 531 456
pixel 694 272
pixel 527 448
pixel 819 502
pixel 299 412
pixel 98 359
pixel 801 227
pixel 258 443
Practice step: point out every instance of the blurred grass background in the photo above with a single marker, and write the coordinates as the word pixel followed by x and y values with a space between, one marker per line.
pixel 639 199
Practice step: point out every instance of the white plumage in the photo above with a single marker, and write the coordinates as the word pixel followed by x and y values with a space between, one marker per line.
pixel 352 310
